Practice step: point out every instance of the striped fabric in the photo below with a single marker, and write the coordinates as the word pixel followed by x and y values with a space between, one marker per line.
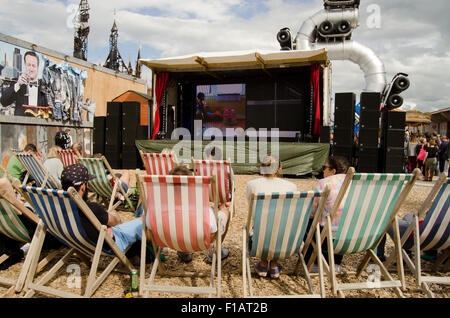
pixel 101 184
pixel 280 222
pixel 36 170
pixel 61 218
pixel 219 169
pixel 435 229
pixel 67 157
pixel 158 164
pixel 368 207
pixel 178 211
pixel 10 224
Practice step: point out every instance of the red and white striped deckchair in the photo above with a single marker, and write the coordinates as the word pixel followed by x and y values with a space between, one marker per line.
pixel 68 156
pixel 222 170
pixel 176 210
pixel 158 163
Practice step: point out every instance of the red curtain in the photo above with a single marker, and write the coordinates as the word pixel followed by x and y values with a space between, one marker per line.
pixel 160 87
pixel 315 85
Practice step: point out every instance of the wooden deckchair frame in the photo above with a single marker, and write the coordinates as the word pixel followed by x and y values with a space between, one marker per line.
pixel 329 265
pixel 93 283
pixel 415 267
pixel 233 188
pixel 146 162
pixel 314 230
pixel 117 186
pixel 159 268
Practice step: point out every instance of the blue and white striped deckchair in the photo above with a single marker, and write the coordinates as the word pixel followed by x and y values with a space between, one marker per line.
pixel 279 226
pixel 433 233
pixel 101 185
pixel 59 212
pixel 373 200
pixel 36 169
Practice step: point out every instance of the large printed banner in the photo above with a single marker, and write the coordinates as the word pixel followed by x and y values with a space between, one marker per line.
pixel 33 85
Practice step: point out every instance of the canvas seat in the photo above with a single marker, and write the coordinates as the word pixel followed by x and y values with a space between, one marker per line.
pixel 68 156
pixel 36 169
pixel 157 163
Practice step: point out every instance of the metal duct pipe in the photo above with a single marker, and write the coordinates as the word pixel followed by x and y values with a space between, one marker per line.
pixel 368 61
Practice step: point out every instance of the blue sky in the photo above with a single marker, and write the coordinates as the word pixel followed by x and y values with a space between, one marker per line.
pixel 411 38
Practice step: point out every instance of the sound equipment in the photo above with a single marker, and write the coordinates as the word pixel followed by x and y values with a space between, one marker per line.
pixel 325 134
pixel 369 122
pixel 99 134
pixel 130 124
pixel 344 125
pixel 392 141
pixel 113 134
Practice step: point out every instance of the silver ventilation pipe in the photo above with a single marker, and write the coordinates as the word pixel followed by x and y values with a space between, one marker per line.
pixel 367 60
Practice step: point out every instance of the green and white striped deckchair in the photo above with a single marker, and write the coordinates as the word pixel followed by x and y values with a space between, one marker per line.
pixel 432 234
pixel 373 200
pixel 279 226
pixel 12 227
pixel 100 168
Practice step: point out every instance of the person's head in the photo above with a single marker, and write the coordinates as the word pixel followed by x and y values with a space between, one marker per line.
pixel 270 166
pixel 181 170
pixel 335 165
pixel 62 139
pixel 30 148
pixel 68 131
pixel 432 142
pixel 31 65
pixel 201 96
pixel 76 176
pixel 78 148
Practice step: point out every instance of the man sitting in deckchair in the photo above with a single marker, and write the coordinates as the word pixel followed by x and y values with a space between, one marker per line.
pixel 124 234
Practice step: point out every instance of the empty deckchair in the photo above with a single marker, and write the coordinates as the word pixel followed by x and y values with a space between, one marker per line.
pixel 373 200
pixel 433 234
pixel 158 163
pixel 222 170
pixel 59 213
pixel 12 227
pixel 101 185
pixel 176 210
pixel 36 169
pixel 279 222
pixel 68 156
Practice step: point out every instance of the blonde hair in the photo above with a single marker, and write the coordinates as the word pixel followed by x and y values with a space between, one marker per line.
pixel 269 166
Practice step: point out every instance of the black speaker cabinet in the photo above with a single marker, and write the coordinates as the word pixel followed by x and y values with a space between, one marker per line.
pixel 130 122
pixel 343 151
pixel 99 134
pixel 325 134
pixel 394 158
pixel 344 119
pixel 344 101
pixel 368 159
pixel 343 137
pixel 113 134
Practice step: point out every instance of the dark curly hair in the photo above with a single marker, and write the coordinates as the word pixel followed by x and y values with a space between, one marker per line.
pixel 339 163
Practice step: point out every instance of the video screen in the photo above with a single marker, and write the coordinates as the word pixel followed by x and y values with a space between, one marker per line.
pixel 221 106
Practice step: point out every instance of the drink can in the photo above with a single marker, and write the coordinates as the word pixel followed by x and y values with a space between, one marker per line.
pixel 134 280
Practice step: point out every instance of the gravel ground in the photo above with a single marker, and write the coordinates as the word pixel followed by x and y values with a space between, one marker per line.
pixel 232 285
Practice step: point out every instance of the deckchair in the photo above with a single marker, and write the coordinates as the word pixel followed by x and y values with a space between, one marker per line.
pixel 59 213
pixel 176 210
pixel 100 168
pixel 373 200
pixel 433 234
pixel 68 156
pixel 157 163
pixel 280 220
pixel 12 227
pixel 221 169
pixel 36 169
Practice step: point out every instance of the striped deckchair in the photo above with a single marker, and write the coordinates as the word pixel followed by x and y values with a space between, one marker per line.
pixel 158 163
pixel 59 212
pixel 176 210
pixel 433 234
pixel 373 200
pixel 100 168
pixel 12 227
pixel 279 222
pixel 36 169
pixel 222 170
pixel 67 156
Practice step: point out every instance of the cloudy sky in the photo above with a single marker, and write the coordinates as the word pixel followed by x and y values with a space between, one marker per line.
pixel 408 36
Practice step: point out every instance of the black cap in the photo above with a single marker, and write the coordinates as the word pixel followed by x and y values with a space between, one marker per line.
pixel 77 174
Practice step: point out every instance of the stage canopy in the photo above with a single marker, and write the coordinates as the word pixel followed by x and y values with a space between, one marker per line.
pixel 214 61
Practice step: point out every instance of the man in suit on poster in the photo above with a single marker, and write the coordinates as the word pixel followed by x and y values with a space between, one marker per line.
pixel 27 90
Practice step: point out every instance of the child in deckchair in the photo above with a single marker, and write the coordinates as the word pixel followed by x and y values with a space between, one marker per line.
pixel 334 172
pixel 270 169
pixel 223 215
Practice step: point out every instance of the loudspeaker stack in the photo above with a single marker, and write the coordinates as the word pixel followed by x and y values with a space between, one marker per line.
pixel 344 125
pixel 113 134
pixel 393 138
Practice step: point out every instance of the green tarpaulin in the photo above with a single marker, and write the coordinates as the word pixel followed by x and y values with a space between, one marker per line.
pixel 296 158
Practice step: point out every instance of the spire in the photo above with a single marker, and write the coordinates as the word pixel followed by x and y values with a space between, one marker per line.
pixel 138 67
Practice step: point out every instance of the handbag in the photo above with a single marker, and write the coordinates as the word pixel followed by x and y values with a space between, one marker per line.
pixel 422 154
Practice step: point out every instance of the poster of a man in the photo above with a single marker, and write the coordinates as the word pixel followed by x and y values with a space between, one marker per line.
pixel 26 90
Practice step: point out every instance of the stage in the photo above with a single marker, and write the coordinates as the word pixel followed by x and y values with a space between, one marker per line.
pixel 296 158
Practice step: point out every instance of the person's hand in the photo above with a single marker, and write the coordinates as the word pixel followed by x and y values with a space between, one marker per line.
pixel 22 80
